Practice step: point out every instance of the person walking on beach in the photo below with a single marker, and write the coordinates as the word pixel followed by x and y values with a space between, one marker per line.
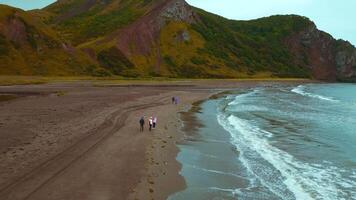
pixel 173 100
pixel 154 122
pixel 176 100
pixel 150 122
pixel 142 123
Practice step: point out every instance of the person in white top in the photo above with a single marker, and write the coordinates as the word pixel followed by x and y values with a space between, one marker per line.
pixel 150 122
pixel 154 122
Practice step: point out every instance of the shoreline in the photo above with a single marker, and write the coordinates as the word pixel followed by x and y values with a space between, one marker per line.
pixel 190 124
pixel 162 177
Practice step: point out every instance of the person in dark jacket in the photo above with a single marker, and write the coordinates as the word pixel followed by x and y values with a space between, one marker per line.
pixel 173 100
pixel 142 123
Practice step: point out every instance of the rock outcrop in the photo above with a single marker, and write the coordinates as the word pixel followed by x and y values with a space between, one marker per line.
pixel 345 60
pixel 141 36
pixel 177 10
pixel 327 58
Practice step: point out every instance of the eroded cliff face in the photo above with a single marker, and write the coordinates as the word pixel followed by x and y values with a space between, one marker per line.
pixel 140 41
pixel 141 36
pixel 345 59
pixel 327 58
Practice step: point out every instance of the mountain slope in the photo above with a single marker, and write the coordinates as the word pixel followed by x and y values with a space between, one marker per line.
pixel 170 38
pixel 174 39
pixel 84 20
pixel 29 47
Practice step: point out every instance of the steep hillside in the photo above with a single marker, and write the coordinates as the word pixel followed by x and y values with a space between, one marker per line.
pixel 29 47
pixel 174 39
pixel 170 38
pixel 84 20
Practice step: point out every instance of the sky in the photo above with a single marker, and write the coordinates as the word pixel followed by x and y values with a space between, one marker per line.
pixel 27 4
pixel 337 17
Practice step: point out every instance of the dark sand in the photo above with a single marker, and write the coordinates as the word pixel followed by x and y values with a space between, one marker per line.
pixel 77 141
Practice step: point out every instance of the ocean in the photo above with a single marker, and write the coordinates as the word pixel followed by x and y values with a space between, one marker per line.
pixel 273 142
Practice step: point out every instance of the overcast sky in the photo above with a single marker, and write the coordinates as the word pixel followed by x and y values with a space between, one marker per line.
pixel 337 17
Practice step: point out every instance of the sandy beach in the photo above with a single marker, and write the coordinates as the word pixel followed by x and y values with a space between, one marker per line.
pixel 82 141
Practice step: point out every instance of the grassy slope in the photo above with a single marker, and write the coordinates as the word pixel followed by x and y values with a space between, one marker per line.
pixel 222 48
pixel 179 59
pixel 252 46
pixel 95 21
pixel 216 48
pixel 41 53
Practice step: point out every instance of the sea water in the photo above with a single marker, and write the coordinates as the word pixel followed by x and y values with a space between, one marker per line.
pixel 274 142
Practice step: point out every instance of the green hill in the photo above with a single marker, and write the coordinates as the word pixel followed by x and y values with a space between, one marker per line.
pixel 30 47
pixel 140 38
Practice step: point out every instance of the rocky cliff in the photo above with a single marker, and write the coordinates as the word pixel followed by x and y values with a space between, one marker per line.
pixel 345 60
pixel 141 36
pixel 327 58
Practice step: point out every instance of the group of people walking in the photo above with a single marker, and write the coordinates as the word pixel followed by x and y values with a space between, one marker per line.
pixel 152 122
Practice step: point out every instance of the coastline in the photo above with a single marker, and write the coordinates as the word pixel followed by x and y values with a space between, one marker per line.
pixel 191 124
pixel 86 139
pixel 184 129
pixel 207 156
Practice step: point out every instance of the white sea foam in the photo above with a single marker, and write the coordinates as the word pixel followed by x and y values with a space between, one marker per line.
pixel 301 90
pixel 242 97
pixel 248 108
pixel 213 171
pixel 234 192
pixel 305 181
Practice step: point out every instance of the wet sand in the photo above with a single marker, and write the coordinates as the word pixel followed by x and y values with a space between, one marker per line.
pixel 208 158
pixel 78 141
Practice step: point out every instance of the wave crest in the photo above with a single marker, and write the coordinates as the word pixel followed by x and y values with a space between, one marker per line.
pixel 301 90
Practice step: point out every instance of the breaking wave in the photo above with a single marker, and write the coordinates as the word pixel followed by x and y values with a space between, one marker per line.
pixel 301 90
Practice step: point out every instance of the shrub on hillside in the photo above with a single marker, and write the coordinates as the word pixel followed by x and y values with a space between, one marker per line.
pixel 114 61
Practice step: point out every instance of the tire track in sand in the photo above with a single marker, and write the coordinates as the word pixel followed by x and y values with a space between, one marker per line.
pixel 33 181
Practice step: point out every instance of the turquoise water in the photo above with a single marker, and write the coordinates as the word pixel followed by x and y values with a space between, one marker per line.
pixel 275 142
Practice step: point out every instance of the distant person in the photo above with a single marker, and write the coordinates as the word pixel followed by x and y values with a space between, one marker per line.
pixel 154 122
pixel 173 100
pixel 176 100
pixel 142 123
pixel 150 123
